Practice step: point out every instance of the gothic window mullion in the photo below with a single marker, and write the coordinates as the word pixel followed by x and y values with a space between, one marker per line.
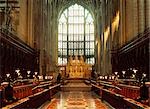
pixel 77 36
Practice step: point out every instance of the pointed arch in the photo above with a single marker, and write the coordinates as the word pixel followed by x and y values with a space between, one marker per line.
pixel 76 34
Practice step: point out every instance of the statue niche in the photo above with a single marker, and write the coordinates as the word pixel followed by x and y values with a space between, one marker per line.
pixel 77 68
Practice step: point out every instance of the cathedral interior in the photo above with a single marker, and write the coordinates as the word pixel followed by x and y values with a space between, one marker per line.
pixel 74 54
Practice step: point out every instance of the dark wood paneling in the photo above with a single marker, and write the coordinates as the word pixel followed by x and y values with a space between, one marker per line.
pixel 14 53
pixel 135 54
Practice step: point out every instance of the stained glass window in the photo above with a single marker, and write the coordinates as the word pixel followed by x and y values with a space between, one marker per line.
pixel 76 34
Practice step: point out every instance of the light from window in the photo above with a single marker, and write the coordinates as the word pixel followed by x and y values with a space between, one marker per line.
pixel 75 34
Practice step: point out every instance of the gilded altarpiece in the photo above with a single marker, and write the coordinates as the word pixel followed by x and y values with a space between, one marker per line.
pixel 77 68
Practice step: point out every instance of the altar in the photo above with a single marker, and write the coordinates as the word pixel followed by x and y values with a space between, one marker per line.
pixel 77 68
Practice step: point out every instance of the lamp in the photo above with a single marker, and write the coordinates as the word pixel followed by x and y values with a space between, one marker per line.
pixel 116 73
pixel 144 75
pixel 130 69
pixel 133 75
pixel 113 77
pixel 123 72
pixel 46 77
pixel 101 77
pixel 35 73
pixel 28 72
pixel 7 75
pixel 17 71
pixel 51 77
pixel 144 79
pixel 134 70
pixel 40 77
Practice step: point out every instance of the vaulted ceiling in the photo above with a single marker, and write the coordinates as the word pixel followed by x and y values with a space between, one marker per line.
pixel 91 5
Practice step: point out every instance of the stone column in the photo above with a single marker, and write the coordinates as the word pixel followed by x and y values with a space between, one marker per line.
pixel 102 41
pixel 97 38
pixel 22 28
pixel 141 13
pixel 123 22
pixel 30 23
pixel 135 18
pixel 98 53
pixel 110 38
pixel 129 19
pixel 147 13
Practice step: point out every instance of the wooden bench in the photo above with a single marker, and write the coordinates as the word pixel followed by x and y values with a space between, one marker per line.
pixel 116 100
pixel 22 91
pixel 33 101
pixel 38 99
pixel 54 89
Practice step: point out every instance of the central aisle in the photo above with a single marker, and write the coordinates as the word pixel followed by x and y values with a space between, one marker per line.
pixel 75 100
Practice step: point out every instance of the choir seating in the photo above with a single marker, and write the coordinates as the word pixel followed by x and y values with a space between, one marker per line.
pixel 54 89
pixel 128 91
pixel 22 91
pixel 125 94
pixel 0 98
pixel 39 98
pixel 35 100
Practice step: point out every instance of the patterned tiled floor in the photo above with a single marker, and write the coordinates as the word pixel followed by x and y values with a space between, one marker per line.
pixel 75 100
